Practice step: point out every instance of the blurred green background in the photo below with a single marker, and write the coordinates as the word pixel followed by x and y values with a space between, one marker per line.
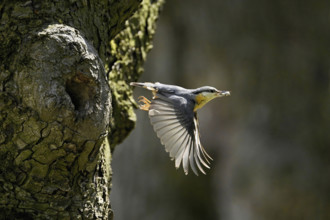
pixel 270 140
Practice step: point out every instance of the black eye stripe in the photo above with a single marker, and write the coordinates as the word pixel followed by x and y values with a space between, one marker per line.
pixel 198 91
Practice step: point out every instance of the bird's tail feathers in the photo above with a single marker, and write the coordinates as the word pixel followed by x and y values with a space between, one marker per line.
pixel 146 85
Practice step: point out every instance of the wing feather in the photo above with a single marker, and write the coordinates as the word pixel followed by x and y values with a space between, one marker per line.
pixel 162 131
pixel 174 151
pixel 198 152
pixel 170 134
pixel 198 163
pixel 185 161
pixel 191 158
pixel 179 154
pixel 170 124
pixel 176 140
pixel 177 129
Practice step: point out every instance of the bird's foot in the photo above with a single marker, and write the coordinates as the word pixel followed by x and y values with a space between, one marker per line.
pixel 146 103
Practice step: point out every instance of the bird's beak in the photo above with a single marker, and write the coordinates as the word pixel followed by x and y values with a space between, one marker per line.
pixel 223 93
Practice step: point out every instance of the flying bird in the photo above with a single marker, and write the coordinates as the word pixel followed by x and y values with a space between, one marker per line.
pixel 173 115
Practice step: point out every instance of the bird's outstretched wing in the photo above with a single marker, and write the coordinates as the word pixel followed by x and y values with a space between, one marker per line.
pixel 178 132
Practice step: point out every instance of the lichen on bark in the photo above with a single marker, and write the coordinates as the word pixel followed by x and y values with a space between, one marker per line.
pixel 128 53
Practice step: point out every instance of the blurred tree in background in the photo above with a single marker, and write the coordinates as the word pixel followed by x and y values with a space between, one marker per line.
pixel 270 140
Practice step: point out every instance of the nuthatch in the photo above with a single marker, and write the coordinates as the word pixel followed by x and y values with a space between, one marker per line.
pixel 172 112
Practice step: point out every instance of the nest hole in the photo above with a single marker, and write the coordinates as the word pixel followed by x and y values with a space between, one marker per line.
pixel 82 92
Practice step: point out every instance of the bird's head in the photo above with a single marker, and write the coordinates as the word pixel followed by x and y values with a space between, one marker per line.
pixel 205 94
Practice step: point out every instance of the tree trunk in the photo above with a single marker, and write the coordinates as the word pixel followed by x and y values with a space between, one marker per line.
pixel 58 114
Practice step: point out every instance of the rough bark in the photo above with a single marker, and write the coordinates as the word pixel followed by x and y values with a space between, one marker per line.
pixel 55 101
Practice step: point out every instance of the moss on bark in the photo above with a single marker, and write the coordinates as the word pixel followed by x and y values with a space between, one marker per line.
pixel 128 53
